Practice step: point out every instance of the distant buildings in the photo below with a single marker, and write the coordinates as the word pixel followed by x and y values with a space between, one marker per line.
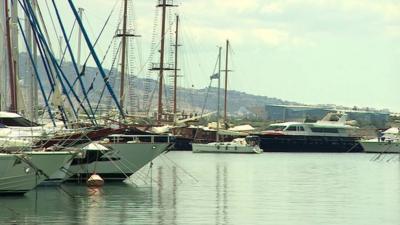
pixel 300 113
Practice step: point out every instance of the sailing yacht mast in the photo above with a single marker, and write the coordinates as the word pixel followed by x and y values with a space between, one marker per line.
pixel 219 92
pixel 161 75
pixel 13 106
pixel 123 57
pixel 78 58
pixel 176 64
pixel 3 58
pixel 29 70
pixel 226 80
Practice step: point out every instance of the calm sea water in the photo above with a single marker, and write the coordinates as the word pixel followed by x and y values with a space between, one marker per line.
pixel 187 188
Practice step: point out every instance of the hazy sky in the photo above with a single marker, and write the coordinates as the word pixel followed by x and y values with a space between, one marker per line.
pixel 343 52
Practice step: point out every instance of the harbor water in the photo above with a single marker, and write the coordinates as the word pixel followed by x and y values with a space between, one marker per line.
pixel 269 188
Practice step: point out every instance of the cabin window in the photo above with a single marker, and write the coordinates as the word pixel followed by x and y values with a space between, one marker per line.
pixel 300 128
pixel 17 122
pixel 276 128
pixel 324 130
pixel 291 128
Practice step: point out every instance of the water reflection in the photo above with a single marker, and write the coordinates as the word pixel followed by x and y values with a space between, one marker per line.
pixel 221 214
pixel 276 189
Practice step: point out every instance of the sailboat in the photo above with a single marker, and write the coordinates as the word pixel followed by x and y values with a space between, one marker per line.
pixel 249 144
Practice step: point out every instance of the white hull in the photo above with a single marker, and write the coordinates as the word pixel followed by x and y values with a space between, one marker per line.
pixel 119 162
pixel 217 147
pixel 380 147
pixel 58 177
pixel 20 173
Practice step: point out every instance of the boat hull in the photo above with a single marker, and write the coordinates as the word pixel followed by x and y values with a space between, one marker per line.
pixel 18 176
pixel 222 148
pixel 118 163
pixel 301 143
pixel 380 147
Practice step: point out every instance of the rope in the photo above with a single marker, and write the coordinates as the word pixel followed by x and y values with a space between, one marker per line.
pixel 205 100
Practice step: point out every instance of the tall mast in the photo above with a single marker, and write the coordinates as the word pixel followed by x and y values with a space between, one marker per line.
pixel 34 79
pixel 163 4
pixel 11 65
pixel 78 58
pixel 176 63
pixel 123 57
pixel 29 70
pixel 219 87
pixel 15 52
pixel 226 80
pixel 161 76
pixel 3 58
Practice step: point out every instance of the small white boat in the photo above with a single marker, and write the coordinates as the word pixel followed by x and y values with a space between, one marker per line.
pixel 389 142
pixel 238 145
pixel 386 146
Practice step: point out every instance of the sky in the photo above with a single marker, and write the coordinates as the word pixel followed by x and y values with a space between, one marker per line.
pixel 343 52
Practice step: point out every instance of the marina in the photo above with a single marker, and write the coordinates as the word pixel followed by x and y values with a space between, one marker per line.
pixel 110 116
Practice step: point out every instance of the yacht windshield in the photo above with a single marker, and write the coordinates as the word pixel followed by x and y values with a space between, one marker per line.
pixel 276 127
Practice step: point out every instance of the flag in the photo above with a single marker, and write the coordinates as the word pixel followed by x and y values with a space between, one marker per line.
pixel 215 76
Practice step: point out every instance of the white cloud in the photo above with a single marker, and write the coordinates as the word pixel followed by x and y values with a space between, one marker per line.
pixel 271 36
pixel 272 8
pixel 276 37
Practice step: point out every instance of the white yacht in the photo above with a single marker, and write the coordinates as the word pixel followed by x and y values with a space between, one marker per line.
pixel 22 172
pixel 117 157
pixel 331 134
pixel 237 145
pixel 389 142
pixel 16 132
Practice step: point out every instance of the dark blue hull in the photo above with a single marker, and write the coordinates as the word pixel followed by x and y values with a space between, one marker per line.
pixel 299 143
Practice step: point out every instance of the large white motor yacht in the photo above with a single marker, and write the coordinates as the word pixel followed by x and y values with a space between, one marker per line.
pixel 331 134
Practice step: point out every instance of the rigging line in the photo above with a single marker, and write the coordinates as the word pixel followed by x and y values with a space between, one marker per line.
pixel 51 18
pixel 36 73
pixel 205 100
pixel 108 76
pixel 39 39
pixel 69 39
pixel 33 15
pixel 101 32
pixel 151 99
pixel 96 58
pixel 181 168
pixel 104 58
pixel 43 44
pixel 189 37
pixel 203 108
pixel 75 66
